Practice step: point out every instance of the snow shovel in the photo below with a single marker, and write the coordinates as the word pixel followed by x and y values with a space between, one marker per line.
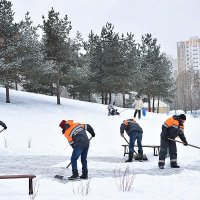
pixel 183 143
pixel 61 176
pixel 137 155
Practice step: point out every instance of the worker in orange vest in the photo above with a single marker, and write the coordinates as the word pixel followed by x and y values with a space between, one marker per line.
pixel 172 127
pixel 76 135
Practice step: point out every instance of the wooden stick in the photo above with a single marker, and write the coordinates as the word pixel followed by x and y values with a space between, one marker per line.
pixel 184 143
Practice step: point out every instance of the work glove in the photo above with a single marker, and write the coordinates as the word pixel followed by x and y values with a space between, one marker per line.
pixel 185 143
pixel 122 134
pixel 93 134
pixel 5 127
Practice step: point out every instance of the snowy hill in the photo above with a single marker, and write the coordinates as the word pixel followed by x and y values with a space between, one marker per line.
pixel 33 143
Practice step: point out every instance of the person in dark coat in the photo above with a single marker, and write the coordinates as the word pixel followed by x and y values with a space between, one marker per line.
pixel 134 132
pixel 172 127
pixel 76 135
pixel 3 125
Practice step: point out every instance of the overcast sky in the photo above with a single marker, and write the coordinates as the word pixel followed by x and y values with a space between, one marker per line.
pixel 170 21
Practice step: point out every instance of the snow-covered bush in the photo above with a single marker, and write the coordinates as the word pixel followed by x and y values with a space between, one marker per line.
pixel 124 179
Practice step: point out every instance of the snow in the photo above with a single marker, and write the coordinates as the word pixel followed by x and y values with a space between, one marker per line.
pixel 34 144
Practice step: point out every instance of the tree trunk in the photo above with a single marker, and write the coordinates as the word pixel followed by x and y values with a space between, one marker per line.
pixel 106 98
pixel 191 101
pixel 102 97
pixel 58 86
pixel 110 95
pixel 149 103
pixel 153 106
pixel 158 105
pixel 16 86
pixel 123 96
pixel 7 93
pixel 89 97
pixel 52 90
pixel 58 92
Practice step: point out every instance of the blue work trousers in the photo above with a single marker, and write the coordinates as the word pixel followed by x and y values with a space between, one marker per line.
pixel 133 137
pixel 77 152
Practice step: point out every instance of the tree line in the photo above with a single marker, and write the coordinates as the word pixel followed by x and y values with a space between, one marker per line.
pixel 104 64
pixel 187 96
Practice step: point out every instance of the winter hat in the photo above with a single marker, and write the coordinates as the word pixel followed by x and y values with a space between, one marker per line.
pixel 182 116
pixel 138 97
pixel 62 124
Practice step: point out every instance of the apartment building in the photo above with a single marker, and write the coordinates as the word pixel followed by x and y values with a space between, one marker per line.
pixel 188 54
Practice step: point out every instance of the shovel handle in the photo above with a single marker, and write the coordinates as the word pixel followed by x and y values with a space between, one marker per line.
pixel 183 143
pixel 128 143
pixel 2 130
pixel 125 139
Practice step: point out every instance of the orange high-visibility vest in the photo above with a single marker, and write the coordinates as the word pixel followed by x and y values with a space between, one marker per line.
pixel 74 129
pixel 171 122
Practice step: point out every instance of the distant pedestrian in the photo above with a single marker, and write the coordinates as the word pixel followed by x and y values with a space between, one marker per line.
pixel 172 127
pixel 76 135
pixel 134 131
pixel 138 105
pixel 3 125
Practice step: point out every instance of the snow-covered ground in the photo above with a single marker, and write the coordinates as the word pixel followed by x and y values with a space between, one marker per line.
pixel 34 144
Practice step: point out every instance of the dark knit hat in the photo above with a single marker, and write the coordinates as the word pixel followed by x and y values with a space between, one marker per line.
pixel 138 97
pixel 62 124
pixel 182 116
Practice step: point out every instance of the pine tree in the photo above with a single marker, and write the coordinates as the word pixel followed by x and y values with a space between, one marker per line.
pixel 29 55
pixel 149 59
pixel 155 70
pixel 113 62
pixel 128 72
pixel 8 50
pixel 76 78
pixel 56 46
pixel 94 55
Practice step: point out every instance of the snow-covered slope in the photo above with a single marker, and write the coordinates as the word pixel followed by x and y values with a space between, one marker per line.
pixel 34 139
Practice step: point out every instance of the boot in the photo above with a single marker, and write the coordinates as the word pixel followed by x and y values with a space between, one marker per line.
pixel 140 155
pixel 130 157
pixel 74 176
pixel 84 175
pixel 161 165
pixel 174 165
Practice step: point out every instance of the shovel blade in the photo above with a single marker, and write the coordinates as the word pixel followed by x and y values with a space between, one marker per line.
pixel 58 176
pixel 137 157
